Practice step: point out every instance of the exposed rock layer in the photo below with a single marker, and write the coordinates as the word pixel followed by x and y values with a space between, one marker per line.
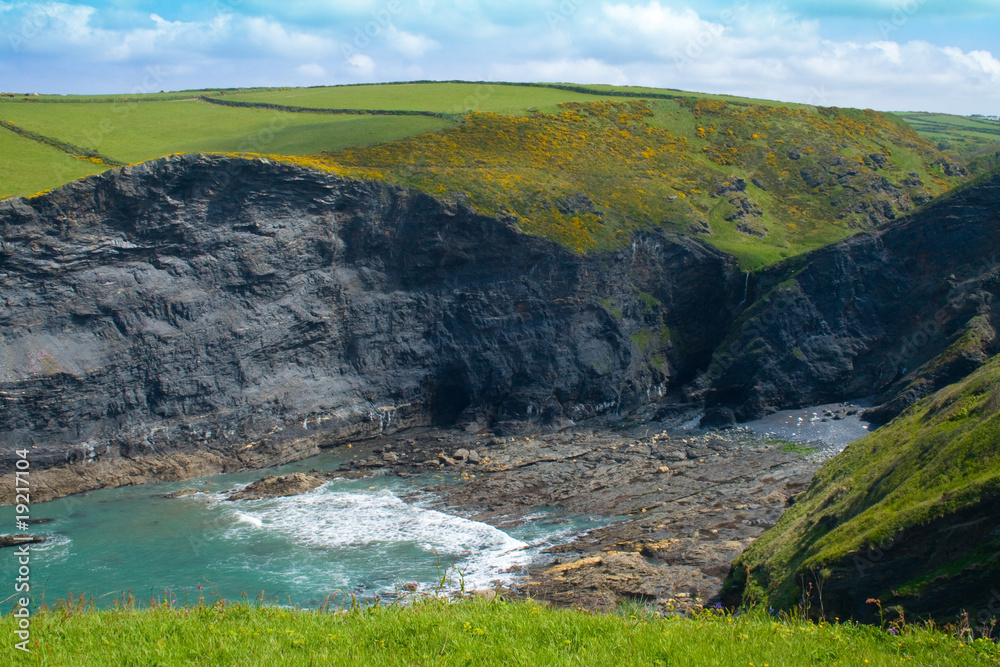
pixel 894 315
pixel 236 306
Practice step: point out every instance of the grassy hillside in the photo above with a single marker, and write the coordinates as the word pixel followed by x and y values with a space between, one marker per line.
pixel 463 97
pixel 449 98
pixel 469 633
pixel 973 141
pixel 27 166
pixel 583 165
pixel 145 130
pixel 761 182
pixel 906 516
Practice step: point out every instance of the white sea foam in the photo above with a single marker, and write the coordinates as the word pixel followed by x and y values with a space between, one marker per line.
pixel 377 521
pixel 56 547
pixel 246 518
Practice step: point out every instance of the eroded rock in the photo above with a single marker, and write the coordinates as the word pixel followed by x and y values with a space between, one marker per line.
pixel 276 487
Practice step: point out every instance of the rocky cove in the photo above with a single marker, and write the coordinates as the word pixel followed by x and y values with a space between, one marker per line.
pixel 197 315
pixel 588 517
pixel 256 311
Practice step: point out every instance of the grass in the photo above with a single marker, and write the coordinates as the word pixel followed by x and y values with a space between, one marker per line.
pixel 789 447
pixel 37 167
pixel 813 176
pixel 456 97
pixel 142 131
pixel 939 460
pixel 449 98
pixel 556 158
pixel 643 91
pixel 473 632
pixel 962 137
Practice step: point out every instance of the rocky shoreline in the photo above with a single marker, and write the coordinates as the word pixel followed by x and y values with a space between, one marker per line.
pixel 685 503
pixel 682 504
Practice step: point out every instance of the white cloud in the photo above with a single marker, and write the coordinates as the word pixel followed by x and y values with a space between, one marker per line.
pixel 71 30
pixel 275 39
pixel 767 52
pixel 408 44
pixel 361 66
pixel 976 62
pixel 311 70
pixel 587 70
pixel 759 50
pixel 661 28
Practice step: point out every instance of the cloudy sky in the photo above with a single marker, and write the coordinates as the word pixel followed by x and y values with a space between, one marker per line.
pixel 936 55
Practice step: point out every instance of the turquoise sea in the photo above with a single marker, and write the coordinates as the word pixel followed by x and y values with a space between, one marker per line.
pixel 349 537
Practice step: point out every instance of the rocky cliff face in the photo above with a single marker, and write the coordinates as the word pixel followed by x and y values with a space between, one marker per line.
pixel 905 516
pixel 893 315
pixel 232 305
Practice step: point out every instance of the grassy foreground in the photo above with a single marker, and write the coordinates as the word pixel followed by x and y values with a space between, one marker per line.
pixel 474 632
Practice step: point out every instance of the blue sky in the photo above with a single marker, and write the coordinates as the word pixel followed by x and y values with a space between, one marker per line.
pixel 934 55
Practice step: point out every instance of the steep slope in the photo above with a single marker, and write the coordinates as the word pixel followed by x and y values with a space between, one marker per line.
pixel 893 315
pixel 758 181
pixel 198 303
pixel 906 516
pixel 585 166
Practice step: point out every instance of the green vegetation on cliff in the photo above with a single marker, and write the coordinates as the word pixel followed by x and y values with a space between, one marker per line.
pixel 582 165
pixel 469 633
pixel 760 182
pixel 906 516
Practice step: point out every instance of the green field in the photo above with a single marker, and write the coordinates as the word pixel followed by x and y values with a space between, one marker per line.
pixel 27 167
pixel 449 98
pixel 142 131
pixel 460 98
pixel 961 136
pixel 471 633
pixel 644 157
pixel 661 93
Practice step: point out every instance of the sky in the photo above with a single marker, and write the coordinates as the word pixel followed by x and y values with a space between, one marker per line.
pixel 891 55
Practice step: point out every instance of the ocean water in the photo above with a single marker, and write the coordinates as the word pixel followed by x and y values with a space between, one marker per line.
pixel 808 426
pixel 349 537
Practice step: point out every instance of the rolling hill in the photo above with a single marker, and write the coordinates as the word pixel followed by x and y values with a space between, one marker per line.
pixel 583 165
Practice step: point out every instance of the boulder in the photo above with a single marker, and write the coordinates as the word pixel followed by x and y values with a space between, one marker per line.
pixel 277 487
pixel 18 540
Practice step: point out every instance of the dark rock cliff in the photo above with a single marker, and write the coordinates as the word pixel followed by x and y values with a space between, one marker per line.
pixel 203 303
pixel 893 315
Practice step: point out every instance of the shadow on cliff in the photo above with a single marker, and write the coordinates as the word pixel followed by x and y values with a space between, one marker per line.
pixel 198 302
